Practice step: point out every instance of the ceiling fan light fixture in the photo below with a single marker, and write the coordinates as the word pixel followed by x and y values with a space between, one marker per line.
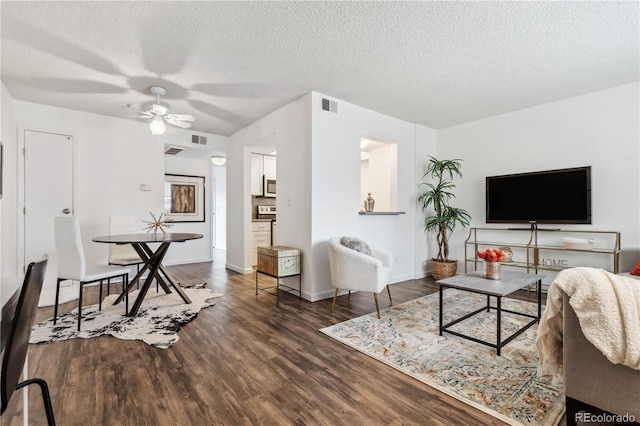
pixel 160 113
pixel 159 109
pixel 218 160
pixel 157 126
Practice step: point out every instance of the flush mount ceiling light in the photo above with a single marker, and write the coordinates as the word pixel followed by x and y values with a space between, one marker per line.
pixel 157 126
pixel 218 161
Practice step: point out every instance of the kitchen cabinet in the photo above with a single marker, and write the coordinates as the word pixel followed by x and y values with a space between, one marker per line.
pixel 261 165
pixel 269 166
pixel 256 174
pixel 261 237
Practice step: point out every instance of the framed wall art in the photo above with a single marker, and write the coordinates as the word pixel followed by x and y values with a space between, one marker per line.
pixel 184 198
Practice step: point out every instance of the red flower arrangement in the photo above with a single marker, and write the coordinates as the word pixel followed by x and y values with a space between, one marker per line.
pixel 491 255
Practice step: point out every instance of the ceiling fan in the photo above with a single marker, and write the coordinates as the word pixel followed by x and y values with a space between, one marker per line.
pixel 159 113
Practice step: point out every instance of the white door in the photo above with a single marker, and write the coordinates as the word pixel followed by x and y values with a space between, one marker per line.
pixel 219 209
pixel 48 192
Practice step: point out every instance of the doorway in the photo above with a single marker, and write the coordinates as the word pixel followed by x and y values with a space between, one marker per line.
pixel 219 209
pixel 48 179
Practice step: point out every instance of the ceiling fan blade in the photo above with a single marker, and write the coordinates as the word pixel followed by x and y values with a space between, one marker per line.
pixel 159 109
pixel 183 117
pixel 145 113
pixel 178 123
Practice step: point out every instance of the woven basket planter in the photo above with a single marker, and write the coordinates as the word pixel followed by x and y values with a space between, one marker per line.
pixel 442 270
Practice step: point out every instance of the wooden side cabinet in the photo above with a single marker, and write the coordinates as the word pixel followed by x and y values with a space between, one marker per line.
pixel 279 262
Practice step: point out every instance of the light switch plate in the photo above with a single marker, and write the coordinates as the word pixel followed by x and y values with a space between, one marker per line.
pixel 144 187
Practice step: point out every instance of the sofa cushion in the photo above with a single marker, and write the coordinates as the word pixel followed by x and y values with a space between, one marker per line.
pixel 356 244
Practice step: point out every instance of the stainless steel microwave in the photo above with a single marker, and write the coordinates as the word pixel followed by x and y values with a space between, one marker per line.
pixel 268 187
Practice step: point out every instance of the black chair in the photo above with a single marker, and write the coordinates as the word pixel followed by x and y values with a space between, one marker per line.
pixel 15 352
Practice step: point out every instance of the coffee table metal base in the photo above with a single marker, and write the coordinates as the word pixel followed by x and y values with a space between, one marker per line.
pixel 498 308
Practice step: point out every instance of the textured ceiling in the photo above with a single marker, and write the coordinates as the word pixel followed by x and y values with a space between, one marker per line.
pixel 231 63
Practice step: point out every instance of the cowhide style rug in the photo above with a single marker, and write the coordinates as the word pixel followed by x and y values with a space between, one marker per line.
pixel 160 317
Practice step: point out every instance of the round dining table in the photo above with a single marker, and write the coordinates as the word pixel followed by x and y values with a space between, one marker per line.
pixel 152 262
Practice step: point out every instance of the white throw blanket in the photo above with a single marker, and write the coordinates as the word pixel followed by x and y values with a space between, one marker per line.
pixel 608 309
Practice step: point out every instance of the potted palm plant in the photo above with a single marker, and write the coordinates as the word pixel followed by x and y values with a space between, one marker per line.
pixel 442 218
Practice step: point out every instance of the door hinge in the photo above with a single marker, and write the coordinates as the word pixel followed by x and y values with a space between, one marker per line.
pixel 24 210
pixel 24 151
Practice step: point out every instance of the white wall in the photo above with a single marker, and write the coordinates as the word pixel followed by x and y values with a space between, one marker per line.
pixel 114 157
pixel 424 246
pixel 195 250
pixel 294 197
pixel 319 187
pixel 599 129
pixel 336 195
pixel 286 130
pixel 238 190
pixel 8 270
pixel 365 182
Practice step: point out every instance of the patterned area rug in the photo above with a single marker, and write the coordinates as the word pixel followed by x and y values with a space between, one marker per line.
pixel 507 387
pixel 160 317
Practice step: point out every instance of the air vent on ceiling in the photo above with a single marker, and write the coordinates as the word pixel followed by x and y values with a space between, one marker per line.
pixel 200 140
pixel 329 105
pixel 173 151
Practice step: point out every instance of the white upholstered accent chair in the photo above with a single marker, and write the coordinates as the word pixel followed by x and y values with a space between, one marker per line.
pixel 352 270
pixel 72 263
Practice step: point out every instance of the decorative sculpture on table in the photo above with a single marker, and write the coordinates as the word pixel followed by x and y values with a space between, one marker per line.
pixel 158 224
pixel 369 203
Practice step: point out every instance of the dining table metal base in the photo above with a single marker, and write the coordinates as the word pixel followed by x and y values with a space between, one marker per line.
pixel 153 264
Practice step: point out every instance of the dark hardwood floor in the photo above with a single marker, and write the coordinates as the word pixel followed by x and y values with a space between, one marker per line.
pixel 243 361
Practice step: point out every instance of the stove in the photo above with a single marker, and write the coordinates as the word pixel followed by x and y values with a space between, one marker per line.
pixel 266 212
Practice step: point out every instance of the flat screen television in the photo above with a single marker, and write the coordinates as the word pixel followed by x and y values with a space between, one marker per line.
pixel 549 196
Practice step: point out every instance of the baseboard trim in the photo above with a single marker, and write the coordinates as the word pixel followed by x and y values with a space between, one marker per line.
pixel 401 278
pixel 238 269
pixel 186 261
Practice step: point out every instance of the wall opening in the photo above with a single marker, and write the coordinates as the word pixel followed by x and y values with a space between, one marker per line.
pixel 379 173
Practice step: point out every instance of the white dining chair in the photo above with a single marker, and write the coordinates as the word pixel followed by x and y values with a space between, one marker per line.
pixel 123 254
pixel 72 264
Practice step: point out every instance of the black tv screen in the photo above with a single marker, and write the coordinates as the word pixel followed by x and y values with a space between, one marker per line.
pixel 550 196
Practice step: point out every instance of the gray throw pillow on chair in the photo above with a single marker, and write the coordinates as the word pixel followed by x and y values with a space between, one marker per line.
pixel 356 244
